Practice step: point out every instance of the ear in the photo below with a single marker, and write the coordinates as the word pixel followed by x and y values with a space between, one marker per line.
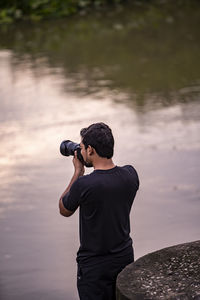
pixel 90 150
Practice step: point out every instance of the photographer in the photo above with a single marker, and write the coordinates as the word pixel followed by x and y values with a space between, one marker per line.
pixel 104 197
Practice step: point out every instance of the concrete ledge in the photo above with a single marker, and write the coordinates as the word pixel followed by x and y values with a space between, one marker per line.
pixel 170 273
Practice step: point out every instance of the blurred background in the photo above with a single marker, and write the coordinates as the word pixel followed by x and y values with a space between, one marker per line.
pixel 134 66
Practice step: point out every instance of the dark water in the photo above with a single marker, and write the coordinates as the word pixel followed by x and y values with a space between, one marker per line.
pixel 137 69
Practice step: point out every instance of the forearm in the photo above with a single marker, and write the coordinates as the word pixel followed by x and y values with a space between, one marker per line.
pixel 63 210
pixel 76 175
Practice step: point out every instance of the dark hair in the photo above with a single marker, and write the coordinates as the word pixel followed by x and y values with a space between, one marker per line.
pixel 99 136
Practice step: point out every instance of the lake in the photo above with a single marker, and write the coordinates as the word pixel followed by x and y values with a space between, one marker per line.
pixel 136 68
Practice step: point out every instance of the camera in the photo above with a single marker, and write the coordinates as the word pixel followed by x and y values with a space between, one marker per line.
pixel 68 148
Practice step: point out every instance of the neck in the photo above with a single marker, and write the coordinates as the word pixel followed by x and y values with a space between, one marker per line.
pixel 103 164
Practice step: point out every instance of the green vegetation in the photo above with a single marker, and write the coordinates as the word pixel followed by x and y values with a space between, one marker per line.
pixel 12 10
pixel 140 52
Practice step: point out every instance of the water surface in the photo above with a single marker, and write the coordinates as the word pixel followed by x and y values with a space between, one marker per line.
pixel 136 69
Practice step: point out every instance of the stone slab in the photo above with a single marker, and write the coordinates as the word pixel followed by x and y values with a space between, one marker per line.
pixel 170 273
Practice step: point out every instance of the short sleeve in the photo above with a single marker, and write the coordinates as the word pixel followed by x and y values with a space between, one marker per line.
pixel 71 200
pixel 133 172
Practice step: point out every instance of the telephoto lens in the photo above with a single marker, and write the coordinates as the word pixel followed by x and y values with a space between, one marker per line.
pixel 68 148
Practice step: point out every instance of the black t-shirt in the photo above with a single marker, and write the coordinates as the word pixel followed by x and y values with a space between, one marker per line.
pixel 105 198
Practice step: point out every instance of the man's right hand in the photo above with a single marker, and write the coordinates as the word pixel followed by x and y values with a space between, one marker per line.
pixel 78 165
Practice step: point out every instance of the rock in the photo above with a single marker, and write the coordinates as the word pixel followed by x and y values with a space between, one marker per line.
pixel 171 273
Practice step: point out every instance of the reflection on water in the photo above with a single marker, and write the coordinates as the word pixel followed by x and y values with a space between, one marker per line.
pixel 137 50
pixel 48 93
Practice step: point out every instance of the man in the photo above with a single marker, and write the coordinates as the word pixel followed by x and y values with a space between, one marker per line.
pixel 104 197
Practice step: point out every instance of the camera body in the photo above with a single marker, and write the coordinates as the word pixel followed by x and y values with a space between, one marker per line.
pixel 68 148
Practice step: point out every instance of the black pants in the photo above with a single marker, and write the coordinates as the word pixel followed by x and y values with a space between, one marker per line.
pixel 98 281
